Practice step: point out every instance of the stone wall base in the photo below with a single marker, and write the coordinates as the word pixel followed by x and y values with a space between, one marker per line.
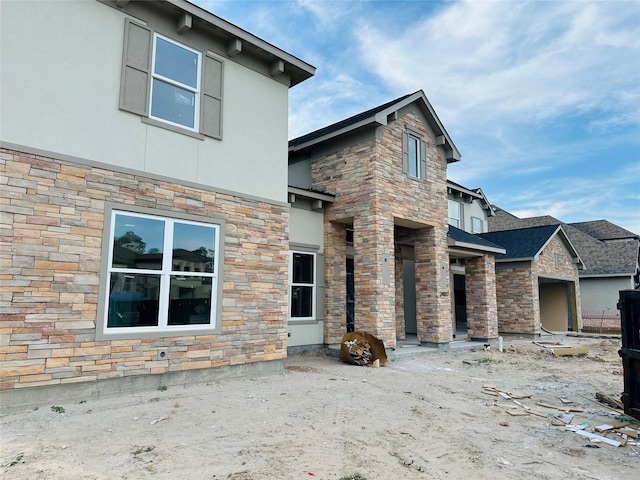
pixel 20 399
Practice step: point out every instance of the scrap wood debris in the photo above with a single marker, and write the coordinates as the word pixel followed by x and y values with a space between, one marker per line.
pixel 618 433
pixel 560 349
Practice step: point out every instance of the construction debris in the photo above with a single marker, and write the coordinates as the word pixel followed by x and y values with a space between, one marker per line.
pixel 361 348
pixel 617 432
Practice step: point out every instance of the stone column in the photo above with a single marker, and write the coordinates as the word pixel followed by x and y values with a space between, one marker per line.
pixel 482 309
pixel 335 281
pixel 374 277
pixel 433 303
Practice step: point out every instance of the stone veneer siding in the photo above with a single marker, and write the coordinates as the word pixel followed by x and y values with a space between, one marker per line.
pixel 372 193
pixel 482 307
pixel 52 224
pixel 545 266
pixel 517 288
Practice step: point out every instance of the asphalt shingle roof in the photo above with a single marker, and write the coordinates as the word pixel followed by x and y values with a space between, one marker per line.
pixel 466 237
pixel 600 257
pixel 521 243
pixel 344 123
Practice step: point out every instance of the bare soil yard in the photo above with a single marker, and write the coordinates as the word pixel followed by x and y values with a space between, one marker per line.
pixel 424 417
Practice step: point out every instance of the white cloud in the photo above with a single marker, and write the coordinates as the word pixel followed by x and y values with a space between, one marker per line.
pixel 510 60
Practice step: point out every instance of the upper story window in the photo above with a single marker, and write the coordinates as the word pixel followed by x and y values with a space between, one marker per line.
pixel 175 88
pixel 477 225
pixel 302 285
pixel 171 85
pixel 414 155
pixel 455 214
pixel 162 276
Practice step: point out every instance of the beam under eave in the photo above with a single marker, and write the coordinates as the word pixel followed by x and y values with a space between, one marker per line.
pixel 184 23
pixel 277 68
pixel 234 47
pixel 121 3
pixel 441 140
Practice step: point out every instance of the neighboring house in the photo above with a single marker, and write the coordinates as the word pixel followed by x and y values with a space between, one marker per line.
pixel 611 256
pixel 370 236
pixel 469 212
pixel 537 280
pixel 144 196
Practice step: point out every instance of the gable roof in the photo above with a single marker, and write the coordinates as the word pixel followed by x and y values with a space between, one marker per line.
pixel 604 230
pixel 461 239
pixel 378 116
pixel 601 258
pixel 476 193
pixel 526 244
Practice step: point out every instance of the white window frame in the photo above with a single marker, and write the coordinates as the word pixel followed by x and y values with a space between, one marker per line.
pixel 165 274
pixel 314 286
pixel 414 161
pixel 459 223
pixel 473 225
pixel 170 81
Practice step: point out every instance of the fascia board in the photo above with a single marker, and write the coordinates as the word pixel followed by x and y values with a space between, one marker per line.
pixel 337 133
pixel 607 275
pixel 462 189
pixel 510 260
pixel 244 35
pixel 475 247
pixel 312 195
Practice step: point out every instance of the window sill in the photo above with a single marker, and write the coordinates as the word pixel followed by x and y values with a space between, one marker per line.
pixel 166 126
pixel 293 321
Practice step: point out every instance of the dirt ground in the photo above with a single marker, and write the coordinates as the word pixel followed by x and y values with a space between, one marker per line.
pixel 424 417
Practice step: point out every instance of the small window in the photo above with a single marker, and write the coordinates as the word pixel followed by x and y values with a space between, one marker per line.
pixel 175 86
pixel 162 275
pixel 455 214
pixel 302 285
pixel 414 156
pixel 476 225
pixel 414 163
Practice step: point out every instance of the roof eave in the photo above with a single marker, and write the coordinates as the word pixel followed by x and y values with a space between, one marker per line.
pixel 370 121
pixel 297 69
pixel 472 246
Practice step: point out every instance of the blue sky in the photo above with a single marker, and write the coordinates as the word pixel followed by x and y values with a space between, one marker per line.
pixel 542 98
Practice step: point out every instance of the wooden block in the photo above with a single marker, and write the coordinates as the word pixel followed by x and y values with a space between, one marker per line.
pixel 518 413
pixel 561 352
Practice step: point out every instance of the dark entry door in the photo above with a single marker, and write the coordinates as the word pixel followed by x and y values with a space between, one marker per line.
pixel 351 308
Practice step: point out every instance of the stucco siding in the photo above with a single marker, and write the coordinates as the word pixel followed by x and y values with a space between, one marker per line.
pixel 602 293
pixel 60 93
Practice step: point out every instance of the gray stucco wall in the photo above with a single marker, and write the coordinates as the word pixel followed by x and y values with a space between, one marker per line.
pixel 60 92
pixel 602 293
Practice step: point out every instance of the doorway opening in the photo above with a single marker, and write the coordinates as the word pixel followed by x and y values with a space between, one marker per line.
pixel 351 304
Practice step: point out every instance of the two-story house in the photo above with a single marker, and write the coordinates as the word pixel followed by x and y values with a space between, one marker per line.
pixel 372 249
pixel 144 206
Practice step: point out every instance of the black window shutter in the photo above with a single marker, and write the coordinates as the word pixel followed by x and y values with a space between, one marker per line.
pixel 211 98
pixel 136 68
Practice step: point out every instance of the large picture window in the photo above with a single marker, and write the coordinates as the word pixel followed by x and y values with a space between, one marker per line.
pixel 302 285
pixel 175 86
pixel 162 274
